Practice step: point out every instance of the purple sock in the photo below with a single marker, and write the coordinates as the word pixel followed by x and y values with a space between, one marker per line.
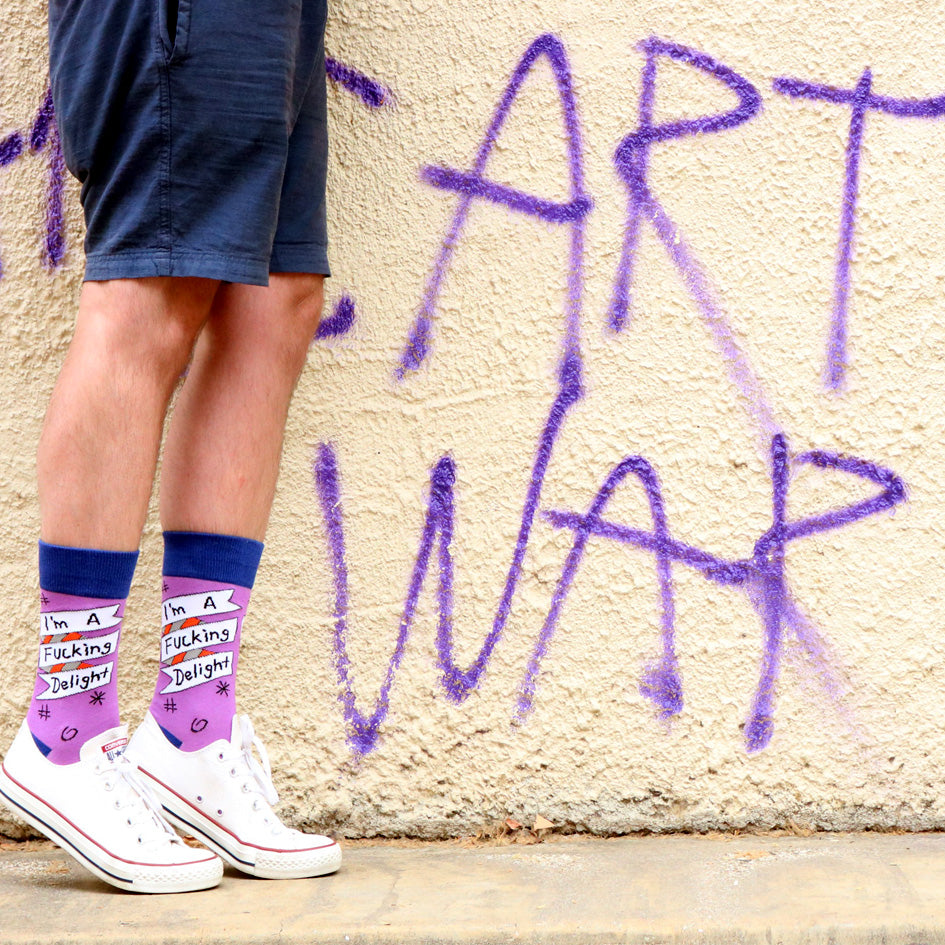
pixel 207 583
pixel 82 602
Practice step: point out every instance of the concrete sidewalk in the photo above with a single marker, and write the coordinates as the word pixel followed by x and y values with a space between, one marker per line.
pixel 827 888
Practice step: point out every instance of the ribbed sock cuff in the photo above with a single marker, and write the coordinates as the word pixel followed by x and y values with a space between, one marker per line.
pixel 86 572
pixel 227 559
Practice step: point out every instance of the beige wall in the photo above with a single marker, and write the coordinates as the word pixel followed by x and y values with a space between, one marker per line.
pixel 808 678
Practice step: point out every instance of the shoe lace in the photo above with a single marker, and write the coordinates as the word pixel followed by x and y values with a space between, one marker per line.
pixel 132 793
pixel 257 774
pixel 262 773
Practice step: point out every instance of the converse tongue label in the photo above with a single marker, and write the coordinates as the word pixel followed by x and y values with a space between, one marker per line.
pixel 115 748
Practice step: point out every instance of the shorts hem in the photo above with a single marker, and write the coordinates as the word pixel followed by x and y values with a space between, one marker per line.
pixel 300 257
pixel 141 265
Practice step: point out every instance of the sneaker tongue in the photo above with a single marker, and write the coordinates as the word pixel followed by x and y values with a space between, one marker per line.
pixel 110 743
pixel 236 731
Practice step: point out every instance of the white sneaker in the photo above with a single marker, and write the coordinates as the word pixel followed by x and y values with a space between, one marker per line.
pixel 99 810
pixel 223 796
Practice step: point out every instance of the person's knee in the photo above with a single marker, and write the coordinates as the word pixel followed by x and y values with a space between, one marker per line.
pixel 305 299
pixel 300 299
pixel 149 325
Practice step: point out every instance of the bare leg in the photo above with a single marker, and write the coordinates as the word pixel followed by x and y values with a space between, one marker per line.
pixel 221 459
pixel 100 440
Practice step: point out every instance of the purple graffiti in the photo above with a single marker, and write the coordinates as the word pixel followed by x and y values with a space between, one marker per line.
pixel 632 156
pixel 761 575
pixel 373 95
pixel 459 682
pixel 661 682
pixel 860 100
pixel 43 123
pixel 632 163
pixel 43 137
pixel 474 185
pixel 341 320
pixel 11 147
pixel 371 92
pixel 54 238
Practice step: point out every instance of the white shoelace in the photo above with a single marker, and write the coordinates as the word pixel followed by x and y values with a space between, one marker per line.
pixel 133 793
pixel 262 773
pixel 258 775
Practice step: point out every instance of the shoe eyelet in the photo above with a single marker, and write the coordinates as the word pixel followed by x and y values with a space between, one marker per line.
pixel 128 821
pixel 117 804
pixel 220 756
pixel 233 772
pixel 199 799
pixel 245 789
pixel 220 812
pixel 140 840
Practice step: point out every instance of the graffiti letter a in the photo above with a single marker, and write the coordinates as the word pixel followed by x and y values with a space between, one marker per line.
pixel 472 185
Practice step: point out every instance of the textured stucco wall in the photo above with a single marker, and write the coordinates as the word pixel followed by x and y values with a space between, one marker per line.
pixel 807 677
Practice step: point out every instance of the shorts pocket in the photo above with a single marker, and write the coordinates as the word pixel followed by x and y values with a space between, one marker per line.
pixel 174 21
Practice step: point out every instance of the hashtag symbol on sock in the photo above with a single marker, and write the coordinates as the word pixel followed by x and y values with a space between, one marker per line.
pixel 44 713
pixel 170 705
pixel 43 599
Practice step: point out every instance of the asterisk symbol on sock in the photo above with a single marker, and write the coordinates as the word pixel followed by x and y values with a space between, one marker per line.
pixel 223 688
pixel 97 697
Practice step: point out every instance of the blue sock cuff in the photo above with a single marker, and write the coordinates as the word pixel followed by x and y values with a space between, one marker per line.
pixel 86 572
pixel 227 559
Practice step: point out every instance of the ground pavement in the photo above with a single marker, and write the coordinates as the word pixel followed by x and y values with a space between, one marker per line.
pixel 827 888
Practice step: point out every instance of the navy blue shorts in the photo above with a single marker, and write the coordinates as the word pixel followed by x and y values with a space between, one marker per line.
pixel 198 131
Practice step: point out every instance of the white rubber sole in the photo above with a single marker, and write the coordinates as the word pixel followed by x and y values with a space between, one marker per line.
pixel 248 858
pixel 117 871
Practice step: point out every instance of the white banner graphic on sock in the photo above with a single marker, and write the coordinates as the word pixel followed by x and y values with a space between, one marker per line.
pixel 70 681
pixel 194 672
pixel 198 605
pixel 79 621
pixel 75 651
pixel 196 637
